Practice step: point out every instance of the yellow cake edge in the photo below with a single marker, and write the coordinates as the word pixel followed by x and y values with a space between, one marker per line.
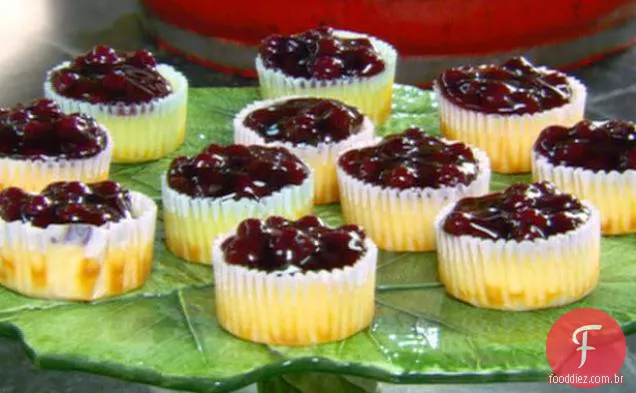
pixel 320 158
pixel 520 276
pixel 507 139
pixel 34 175
pixel 403 220
pixel 54 262
pixel 295 309
pixel 140 132
pixel 372 95
pixel 613 193
pixel 192 224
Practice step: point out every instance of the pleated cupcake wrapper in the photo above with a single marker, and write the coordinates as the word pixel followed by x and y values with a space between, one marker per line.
pixel 301 308
pixel 507 139
pixel 192 224
pixel 613 193
pixel 34 175
pixel 79 261
pixel 321 158
pixel 512 275
pixel 372 95
pixel 141 132
pixel 403 220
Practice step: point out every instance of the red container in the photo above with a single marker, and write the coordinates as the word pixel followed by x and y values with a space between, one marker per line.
pixel 430 35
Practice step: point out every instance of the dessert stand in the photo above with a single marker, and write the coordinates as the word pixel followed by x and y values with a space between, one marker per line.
pixel 166 333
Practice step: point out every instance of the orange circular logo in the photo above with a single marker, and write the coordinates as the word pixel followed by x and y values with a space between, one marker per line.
pixel 586 348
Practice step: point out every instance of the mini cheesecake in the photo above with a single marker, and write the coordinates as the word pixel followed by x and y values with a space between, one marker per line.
pixel 528 247
pixel 323 62
pixel 75 241
pixel 141 103
pixel 210 193
pixel 395 188
pixel 595 162
pixel 315 129
pixel 503 108
pixel 41 145
pixel 294 283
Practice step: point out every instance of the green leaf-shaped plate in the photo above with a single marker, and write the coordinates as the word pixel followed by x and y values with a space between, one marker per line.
pixel 166 333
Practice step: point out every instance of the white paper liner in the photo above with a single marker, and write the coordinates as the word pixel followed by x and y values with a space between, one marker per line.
pixel 34 175
pixel 302 308
pixel 79 261
pixel 613 193
pixel 195 222
pixel 403 220
pixel 517 276
pixel 507 139
pixel 372 95
pixel 141 132
pixel 321 158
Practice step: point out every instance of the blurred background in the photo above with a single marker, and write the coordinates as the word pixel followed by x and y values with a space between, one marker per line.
pixel 213 42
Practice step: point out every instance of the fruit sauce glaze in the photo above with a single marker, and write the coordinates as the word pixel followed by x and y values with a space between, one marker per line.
pixel 40 130
pixel 412 159
pixel 607 146
pixel 305 121
pixel 319 53
pixel 106 76
pixel 277 244
pixel 236 171
pixel 521 212
pixel 515 87
pixel 66 203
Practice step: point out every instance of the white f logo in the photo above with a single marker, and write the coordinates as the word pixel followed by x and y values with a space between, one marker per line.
pixel 584 347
